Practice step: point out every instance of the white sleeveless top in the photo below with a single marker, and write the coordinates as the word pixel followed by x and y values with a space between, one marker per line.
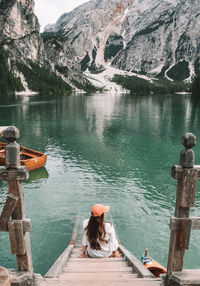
pixel 106 248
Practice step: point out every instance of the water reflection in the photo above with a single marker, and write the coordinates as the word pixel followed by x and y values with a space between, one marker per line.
pixel 38 174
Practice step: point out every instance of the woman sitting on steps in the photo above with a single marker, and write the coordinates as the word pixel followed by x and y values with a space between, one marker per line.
pixel 99 240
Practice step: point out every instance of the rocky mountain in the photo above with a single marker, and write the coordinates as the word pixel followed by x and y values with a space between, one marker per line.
pixel 28 52
pixel 154 37
pixel 88 45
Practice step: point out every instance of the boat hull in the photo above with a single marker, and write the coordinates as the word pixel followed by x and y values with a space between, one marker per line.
pixel 155 267
pixel 30 158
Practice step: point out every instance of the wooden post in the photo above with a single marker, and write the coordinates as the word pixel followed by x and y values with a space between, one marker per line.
pixel 187 175
pixel 14 208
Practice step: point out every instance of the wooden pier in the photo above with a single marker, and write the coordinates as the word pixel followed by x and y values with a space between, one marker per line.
pixel 70 270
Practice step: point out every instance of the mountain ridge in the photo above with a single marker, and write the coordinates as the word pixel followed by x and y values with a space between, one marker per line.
pixel 151 37
pixel 131 37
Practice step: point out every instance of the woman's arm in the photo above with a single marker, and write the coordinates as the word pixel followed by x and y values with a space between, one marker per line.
pixel 82 255
pixel 84 243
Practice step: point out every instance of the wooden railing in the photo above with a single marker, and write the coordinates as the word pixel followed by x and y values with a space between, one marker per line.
pixel 187 175
pixel 13 217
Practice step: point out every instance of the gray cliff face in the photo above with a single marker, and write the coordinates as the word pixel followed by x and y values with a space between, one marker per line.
pixel 20 36
pixel 155 37
pixel 20 30
pixel 63 59
pixel 161 37
pixel 88 27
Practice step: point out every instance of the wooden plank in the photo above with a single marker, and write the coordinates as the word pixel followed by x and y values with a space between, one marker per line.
pixel 136 265
pixel 175 223
pixel 98 276
pixel 21 173
pixel 7 211
pixel 187 277
pixel 91 265
pixel 96 260
pixel 16 234
pixel 24 262
pixel 27 225
pixel 177 171
pixel 136 282
pixel 57 268
pixel 183 228
pixel 79 269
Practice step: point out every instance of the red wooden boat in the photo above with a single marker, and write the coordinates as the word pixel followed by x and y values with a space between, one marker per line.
pixel 30 158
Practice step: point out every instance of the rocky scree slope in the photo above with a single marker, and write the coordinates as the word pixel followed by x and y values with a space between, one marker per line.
pixel 159 37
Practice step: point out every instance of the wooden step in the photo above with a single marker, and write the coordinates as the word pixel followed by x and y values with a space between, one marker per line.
pixel 132 282
pixel 101 264
pixel 97 267
pixel 91 276
pixel 96 260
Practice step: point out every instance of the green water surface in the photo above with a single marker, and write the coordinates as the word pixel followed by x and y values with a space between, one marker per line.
pixel 116 150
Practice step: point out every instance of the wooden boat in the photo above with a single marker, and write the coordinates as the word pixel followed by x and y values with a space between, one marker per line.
pixel 30 158
pixel 152 265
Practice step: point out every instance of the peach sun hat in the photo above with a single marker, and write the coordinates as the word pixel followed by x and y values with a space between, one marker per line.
pixel 98 210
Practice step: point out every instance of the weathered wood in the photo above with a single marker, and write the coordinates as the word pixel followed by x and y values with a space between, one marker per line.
pixel 175 223
pixel 7 211
pixel 136 265
pixel 57 268
pixel 187 277
pixel 78 269
pixel 178 170
pixel 18 227
pixel 20 174
pixel 130 282
pixel 182 227
pixel 189 184
pixel 12 154
pixel 16 234
pixel 27 225
pixel 187 175
pixel 24 261
pixel 108 276
pixel 96 260
pixel 187 155
pixel 4 277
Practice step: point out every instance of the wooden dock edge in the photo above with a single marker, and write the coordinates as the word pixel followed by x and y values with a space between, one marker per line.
pixel 58 266
pixel 137 266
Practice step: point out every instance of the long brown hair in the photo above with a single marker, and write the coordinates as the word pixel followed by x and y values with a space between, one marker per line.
pixel 96 230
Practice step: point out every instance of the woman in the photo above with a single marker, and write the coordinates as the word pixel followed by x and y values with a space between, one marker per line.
pixel 99 240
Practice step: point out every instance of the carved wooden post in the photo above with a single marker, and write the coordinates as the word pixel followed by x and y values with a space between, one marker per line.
pixel 187 175
pixel 14 208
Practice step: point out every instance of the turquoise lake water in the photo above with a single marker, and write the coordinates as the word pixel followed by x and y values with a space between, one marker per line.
pixel 116 150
